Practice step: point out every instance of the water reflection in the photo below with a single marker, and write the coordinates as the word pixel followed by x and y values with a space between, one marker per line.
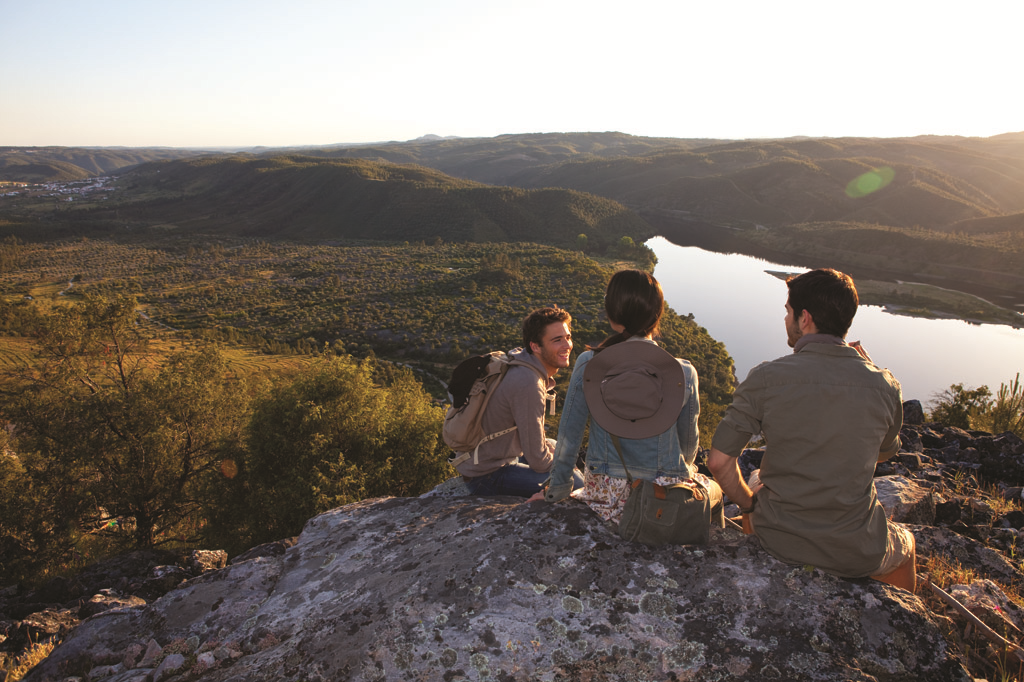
pixel 743 306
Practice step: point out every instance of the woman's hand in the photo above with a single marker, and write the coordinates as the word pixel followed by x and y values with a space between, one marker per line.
pixel 537 497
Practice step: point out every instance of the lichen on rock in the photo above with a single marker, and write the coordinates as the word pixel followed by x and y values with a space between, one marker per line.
pixel 495 589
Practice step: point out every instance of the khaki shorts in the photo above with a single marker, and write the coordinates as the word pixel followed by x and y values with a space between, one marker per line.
pixel 899 545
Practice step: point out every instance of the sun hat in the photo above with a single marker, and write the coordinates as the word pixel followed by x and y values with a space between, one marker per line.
pixel 634 389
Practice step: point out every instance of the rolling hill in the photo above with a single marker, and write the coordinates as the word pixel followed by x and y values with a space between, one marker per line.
pixel 303 197
pixel 500 160
pixel 934 184
pixel 845 202
pixel 63 164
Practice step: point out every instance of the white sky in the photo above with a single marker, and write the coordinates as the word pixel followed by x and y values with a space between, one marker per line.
pixel 254 72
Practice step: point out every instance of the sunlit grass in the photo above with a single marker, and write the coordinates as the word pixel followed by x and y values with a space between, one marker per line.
pixel 28 660
pixel 15 353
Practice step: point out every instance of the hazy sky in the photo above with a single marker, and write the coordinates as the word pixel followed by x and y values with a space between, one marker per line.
pixel 254 72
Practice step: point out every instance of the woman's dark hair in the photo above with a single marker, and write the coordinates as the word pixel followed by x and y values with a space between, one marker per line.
pixel 635 300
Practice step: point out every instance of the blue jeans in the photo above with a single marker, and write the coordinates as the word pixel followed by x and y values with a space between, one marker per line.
pixel 515 478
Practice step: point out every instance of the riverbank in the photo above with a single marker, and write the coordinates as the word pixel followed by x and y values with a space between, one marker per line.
pixel 742 305
pixel 927 294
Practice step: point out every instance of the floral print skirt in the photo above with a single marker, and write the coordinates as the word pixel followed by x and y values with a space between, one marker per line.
pixel 607 496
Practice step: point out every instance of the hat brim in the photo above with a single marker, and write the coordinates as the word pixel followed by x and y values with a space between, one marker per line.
pixel 629 354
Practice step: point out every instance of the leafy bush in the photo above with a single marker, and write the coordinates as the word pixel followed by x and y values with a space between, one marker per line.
pixel 331 437
pixel 961 407
pixel 978 409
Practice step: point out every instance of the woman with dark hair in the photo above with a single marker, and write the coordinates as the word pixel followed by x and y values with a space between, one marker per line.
pixel 642 406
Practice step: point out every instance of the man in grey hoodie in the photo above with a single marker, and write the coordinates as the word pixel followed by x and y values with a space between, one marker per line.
pixel 517 463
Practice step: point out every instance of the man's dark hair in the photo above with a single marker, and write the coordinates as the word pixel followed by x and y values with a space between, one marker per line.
pixel 829 295
pixel 537 321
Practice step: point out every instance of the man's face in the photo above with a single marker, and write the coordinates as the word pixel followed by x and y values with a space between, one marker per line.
pixel 793 332
pixel 554 348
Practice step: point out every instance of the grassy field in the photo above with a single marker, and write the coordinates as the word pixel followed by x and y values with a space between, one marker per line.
pixel 16 353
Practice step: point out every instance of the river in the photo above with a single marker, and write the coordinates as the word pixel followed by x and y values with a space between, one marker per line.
pixel 743 306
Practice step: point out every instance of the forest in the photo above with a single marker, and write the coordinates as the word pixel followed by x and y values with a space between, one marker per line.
pixel 142 415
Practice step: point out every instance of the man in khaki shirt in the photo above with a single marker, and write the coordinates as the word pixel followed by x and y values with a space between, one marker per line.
pixel 828 415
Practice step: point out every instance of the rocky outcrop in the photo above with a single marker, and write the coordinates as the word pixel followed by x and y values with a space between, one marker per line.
pixel 56 607
pixel 446 588
pixel 450 586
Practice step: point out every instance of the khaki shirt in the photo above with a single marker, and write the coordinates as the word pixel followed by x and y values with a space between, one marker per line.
pixel 828 416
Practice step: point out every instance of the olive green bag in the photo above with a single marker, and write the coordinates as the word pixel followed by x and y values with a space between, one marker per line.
pixel 678 514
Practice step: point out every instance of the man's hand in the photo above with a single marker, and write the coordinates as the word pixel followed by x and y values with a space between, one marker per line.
pixel 860 349
pixel 537 497
pixel 726 470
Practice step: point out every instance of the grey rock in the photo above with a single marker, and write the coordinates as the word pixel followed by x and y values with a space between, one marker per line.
pixel 904 500
pixel 267 549
pixel 493 588
pixel 453 487
pixel 162 580
pixel 168 667
pixel 104 602
pixel 965 551
pixel 199 561
pixel 910 440
pixel 48 623
pixel 101 672
pixel 152 656
pixel 987 601
pixel 913 413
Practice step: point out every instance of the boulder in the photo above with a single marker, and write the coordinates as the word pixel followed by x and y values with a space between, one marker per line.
pixel 904 500
pixel 913 413
pixel 498 589
pixel 987 601
pixel 200 561
pixel 106 600
pixel 967 552
pixel 43 626
pixel 267 549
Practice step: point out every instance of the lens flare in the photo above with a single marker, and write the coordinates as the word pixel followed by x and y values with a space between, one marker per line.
pixel 870 182
pixel 229 468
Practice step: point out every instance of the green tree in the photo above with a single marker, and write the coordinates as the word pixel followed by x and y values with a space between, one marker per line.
pixel 121 444
pixel 332 437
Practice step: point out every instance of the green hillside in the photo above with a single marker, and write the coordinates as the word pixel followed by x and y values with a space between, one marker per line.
pixel 302 197
pixel 932 184
pixel 422 304
pixel 909 193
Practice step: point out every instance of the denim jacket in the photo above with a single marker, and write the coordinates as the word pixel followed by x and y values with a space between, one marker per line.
pixel 670 454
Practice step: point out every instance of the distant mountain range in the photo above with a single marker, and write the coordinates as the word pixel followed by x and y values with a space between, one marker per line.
pixel 956 183
pixel 844 201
